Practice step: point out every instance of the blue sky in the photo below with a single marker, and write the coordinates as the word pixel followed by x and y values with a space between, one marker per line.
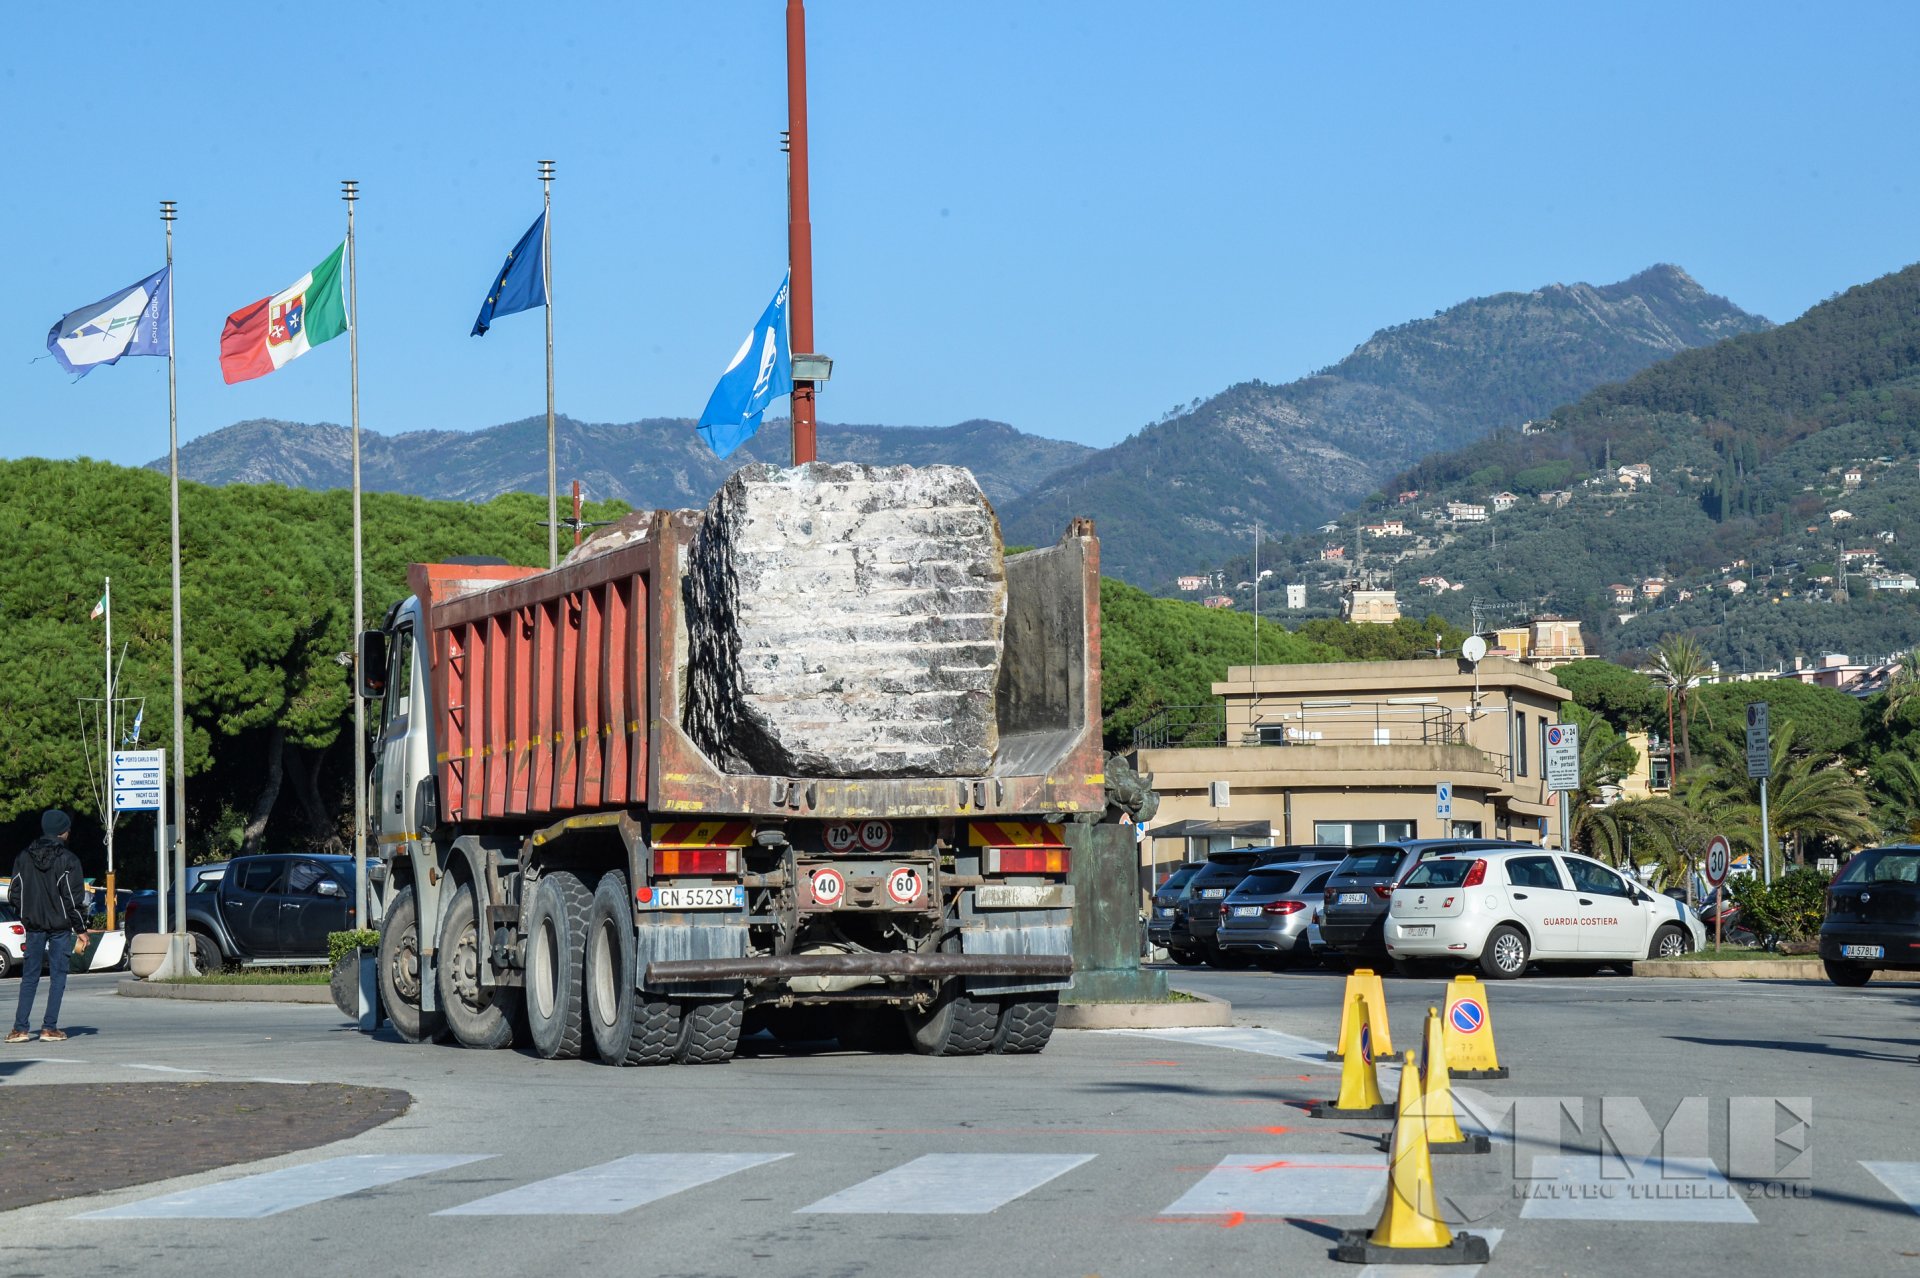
pixel 1066 216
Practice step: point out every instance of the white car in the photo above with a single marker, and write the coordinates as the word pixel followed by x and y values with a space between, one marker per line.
pixel 13 941
pixel 1506 909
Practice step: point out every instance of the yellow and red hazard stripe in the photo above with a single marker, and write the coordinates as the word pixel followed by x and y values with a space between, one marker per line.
pixel 702 834
pixel 1014 834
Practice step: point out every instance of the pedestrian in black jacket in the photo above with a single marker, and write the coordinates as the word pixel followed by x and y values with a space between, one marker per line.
pixel 51 898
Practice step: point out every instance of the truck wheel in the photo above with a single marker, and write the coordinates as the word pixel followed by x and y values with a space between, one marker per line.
pixel 400 972
pixel 203 952
pixel 956 1024
pixel 1026 1024
pixel 629 1026
pixel 479 1018
pixel 557 940
pixel 709 1032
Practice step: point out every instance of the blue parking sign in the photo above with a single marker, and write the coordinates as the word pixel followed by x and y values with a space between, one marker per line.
pixel 1443 800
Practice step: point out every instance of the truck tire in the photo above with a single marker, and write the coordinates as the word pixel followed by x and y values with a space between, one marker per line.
pixel 203 952
pixel 1026 1024
pixel 400 973
pixel 479 1018
pixel 709 1032
pixel 629 1026
pixel 956 1024
pixel 556 942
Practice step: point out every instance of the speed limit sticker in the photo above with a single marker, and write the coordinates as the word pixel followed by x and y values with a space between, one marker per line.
pixel 876 836
pixel 904 885
pixel 828 886
pixel 841 837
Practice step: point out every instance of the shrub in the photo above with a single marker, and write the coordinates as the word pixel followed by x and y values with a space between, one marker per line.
pixel 1789 909
pixel 339 944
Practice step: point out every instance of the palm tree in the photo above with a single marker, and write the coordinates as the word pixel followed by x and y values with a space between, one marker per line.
pixel 1679 663
pixel 1903 685
pixel 1896 784
pixel 1806 799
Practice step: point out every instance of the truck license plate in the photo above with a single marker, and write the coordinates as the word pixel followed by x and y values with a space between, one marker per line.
pixel 1863 951
pixel 1246 911
pixel 1353 898
pixel 1417 929
pixel 697 898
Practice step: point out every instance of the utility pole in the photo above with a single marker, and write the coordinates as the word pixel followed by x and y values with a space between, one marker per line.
pixel 176 959
pixel 546 282
pixel 350 192
pixel 799 232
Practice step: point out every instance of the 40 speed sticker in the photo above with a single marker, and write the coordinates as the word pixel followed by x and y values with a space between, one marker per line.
pixel 828 886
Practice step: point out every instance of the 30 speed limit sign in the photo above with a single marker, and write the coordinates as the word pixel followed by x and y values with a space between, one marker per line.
pixel 1719 857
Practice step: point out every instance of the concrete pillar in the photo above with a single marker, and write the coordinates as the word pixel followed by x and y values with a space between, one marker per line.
pixel 1106 919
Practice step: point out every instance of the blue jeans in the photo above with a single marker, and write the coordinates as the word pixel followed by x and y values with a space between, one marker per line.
pixel 55 949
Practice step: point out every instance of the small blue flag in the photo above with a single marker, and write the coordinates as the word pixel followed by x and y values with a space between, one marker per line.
pixel 130 322
pixel 761 372
pixel 521 284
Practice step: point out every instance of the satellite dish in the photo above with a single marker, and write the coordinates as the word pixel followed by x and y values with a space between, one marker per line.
pixel 1474 649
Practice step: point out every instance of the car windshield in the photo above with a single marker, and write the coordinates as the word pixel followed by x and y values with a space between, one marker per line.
pixel 1274 880
pixel 1882 865
pixel 1375 863
pixel 1448 872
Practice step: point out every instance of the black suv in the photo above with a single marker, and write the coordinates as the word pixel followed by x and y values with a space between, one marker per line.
pixel 1873 915
pixel 1207 890
pixel 1167 924
pixel 1353 920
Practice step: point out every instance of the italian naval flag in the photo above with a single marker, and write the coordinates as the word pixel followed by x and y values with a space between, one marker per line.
pixel 258 339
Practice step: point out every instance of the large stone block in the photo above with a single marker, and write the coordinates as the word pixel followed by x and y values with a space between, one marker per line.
pixel 846 620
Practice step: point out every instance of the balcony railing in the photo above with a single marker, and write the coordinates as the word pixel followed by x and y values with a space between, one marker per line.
pixel 1329 722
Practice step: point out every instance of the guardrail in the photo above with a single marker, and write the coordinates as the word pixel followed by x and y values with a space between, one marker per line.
pixel 1307 722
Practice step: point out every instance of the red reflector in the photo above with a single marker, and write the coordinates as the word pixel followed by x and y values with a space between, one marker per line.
pixel 1283 907
pixel 1476 874
pixel 643 894
pixel 693 861
pixel 1027 860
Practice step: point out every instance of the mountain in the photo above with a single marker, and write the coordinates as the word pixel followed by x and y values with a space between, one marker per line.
pixel 1180 495
pixel 658 462
pixel 1764 482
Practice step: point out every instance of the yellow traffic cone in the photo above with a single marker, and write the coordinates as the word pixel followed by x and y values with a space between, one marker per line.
pixel 1436 1097
pixel 1410 1230
pixel 1365 982
pixel 1359 1086
pixel 1467 1023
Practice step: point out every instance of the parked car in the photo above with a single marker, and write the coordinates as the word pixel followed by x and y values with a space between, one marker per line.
pixel 1353 916
pixel 139 910
pixel 1267 916
pixel 13 940
pixel 1873 916
pixel 1208 891
pixel 270 910
pixel 1504 909
pixel 1167 917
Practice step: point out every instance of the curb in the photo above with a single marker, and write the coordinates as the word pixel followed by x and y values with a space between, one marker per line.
pixel 227 993
pixel 1736 969
pixel 1208 1012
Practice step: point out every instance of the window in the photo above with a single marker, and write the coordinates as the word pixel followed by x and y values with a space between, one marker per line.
pixel 1466 829
pixel 1533 872
pixel 258 876
pixel 1591 876
pixel 1349 833
pixel 1271 880
pixel 304 877
pixel 400 674
pixel 1520 738
pixel 1447 872
pixel 1881 865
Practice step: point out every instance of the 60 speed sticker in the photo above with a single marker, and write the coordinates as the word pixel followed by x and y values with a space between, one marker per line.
pixel 905 885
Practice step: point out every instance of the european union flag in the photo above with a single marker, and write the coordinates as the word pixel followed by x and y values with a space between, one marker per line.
pixel 761 372
pixel 521 284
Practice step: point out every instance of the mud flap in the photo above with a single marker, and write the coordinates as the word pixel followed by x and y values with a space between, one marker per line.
pixel 664 937
pixel 1016 932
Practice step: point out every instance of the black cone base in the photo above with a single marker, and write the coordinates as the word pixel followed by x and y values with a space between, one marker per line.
pixel 1331 1109
pixel 1479 1073
pixel 1358 1248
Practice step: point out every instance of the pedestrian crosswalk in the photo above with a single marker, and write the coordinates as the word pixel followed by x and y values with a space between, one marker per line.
pixel 270 1193
pixel 611 1188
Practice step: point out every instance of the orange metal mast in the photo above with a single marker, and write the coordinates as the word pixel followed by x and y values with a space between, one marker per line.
pixel 799 229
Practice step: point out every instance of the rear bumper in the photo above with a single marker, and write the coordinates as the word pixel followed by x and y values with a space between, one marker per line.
pixel 1899 942
pixel 1354 933
pixel 1450 938
pixel 1282 933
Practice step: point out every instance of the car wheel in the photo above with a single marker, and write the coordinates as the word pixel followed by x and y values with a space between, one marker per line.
pixel 1185 958
pixel 6 964
pixel 1668 943
pixel 1505 955
pixel 1852 975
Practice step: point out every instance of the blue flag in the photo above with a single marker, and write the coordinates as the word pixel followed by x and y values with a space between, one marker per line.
pixel 130 322
pixel 521 284
pixel 761 372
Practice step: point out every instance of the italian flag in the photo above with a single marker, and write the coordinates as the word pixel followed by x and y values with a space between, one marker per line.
pixel 258 339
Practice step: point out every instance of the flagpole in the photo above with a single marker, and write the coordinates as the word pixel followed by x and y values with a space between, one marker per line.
pixel 176 950
pixel 350 192
pixel 546 282
pixel 799 230
pixel 106 759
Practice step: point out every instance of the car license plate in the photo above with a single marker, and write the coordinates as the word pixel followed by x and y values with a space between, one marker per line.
pixel 1213 894
pixel 1863 951
pixel 1163 912
pixel 1353 898
pixel 1417 929
pixel 696 898
pixel 1246 911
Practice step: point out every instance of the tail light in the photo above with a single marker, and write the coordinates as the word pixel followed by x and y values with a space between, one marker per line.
pixel 1384 890
pixel 1283 907
pixel 1027 860
pixel 707 861
pixel 1328 902
pixel 1476 874
pixel 18 929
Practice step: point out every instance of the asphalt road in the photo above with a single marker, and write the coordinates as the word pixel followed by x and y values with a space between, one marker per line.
pixel 1112 1154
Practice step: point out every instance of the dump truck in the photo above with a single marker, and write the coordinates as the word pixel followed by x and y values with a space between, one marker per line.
pixel 585 844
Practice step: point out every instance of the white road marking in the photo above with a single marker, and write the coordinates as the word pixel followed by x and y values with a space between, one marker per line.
pixel 289 1082
pixel 1493 1237
pixel 270 1193
pixel 1262 1042
pixel 611 1188
pixel 165 1069
pixel 1572 1187
pixel 950 1184
pixel 47 1060
pixel 1287 1185
pixel 1902 1178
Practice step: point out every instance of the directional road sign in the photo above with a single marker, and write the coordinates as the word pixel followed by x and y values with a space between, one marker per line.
pixel 138 778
